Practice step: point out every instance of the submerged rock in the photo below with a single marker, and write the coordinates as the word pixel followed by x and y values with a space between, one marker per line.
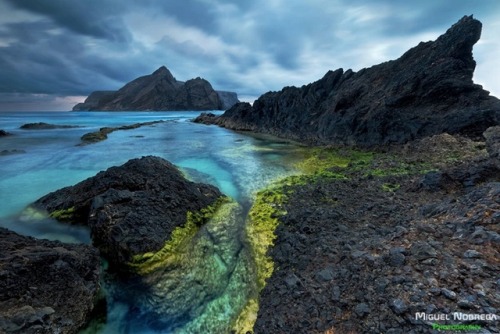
pixel 45 126
pixel 102 134
pixel 45 286
pixel 131 209
pixel 427 91
pixel 160 91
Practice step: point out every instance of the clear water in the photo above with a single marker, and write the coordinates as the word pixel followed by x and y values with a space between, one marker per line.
pixel 238 164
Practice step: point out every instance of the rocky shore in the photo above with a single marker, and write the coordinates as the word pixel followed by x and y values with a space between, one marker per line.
pixel 397 238
pixel 45 286
pixel 363 250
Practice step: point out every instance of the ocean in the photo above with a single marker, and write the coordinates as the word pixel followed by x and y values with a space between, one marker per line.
pixel 36 162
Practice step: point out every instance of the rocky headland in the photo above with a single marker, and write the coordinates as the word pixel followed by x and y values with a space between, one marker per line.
pixel 160 91
pixel 427 91
pixel 45 286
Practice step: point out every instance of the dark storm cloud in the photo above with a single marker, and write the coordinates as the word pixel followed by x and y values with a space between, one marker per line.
pixel 95 18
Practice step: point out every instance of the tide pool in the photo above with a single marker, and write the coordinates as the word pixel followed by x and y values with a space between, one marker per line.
pixel 238 164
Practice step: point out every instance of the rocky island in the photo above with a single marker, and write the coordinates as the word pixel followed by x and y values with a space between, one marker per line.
pixel 160 91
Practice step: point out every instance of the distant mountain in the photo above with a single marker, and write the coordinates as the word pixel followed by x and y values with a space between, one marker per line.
pixel 160 91
pixel 427 91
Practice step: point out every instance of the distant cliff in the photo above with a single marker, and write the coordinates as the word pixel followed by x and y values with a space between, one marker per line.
pixel 160 91
pixel 428 90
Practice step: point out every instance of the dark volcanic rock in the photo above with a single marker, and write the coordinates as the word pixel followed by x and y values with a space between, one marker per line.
pixel 45 126
pixel 160 91
pixel 45 286
pixel 4 133
pixel 428 90
pixel 131 209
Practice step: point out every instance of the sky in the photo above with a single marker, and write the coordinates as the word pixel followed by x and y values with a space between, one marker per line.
pixel 53 53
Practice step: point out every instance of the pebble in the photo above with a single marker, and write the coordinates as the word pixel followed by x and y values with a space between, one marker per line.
pixel 472 254
pixel 362 310
pixel 398 306
pixel 449 294
pixel 325 275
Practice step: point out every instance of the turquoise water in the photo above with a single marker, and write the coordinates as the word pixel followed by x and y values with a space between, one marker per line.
pixel 238 164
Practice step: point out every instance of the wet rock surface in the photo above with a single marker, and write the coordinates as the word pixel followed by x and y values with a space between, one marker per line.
pixel 4 133
pixel 355 256
pixel 131 209
pixel 427 91
pixel 45 286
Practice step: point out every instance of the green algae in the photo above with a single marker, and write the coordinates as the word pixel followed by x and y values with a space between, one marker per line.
pixel 329 162
pixel 64 215
pixel 262 222
pixel 31 213
pixel 246 320
pixel 171 252
pixel 390 187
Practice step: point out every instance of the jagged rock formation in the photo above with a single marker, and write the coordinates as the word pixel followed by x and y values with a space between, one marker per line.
pixel 428 90
pixel 160 91
pixel 131 209
pixel 45 286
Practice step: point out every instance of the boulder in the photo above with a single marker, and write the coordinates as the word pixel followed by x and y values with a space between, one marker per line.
pixel 492 136
pixel 45 286
pixel 427 91
pixel 131 209
pixel 160 91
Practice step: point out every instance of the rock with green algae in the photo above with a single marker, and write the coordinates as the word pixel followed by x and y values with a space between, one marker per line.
pixel 131 209
pixel 200 281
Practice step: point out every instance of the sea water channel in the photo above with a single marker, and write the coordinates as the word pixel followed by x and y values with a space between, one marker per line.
pixel 36 162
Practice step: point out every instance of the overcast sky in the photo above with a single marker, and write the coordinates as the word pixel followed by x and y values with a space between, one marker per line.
pixel 53 53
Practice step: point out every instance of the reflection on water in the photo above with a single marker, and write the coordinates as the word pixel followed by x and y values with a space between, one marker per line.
pixel 236 163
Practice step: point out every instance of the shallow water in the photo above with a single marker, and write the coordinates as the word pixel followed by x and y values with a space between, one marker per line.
pixel 238 164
